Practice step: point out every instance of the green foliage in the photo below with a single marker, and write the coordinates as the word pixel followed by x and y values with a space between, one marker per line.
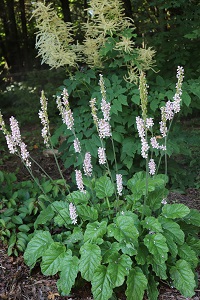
pixel 125 248
pixel 24 209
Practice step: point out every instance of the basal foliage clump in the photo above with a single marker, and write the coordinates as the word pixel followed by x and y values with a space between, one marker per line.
pixel 114 234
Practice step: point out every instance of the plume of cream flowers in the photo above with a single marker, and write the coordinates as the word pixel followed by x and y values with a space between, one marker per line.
pixel 107 18
pixel 54 38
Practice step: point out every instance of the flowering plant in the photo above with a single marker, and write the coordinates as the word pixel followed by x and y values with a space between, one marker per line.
pixel 115 233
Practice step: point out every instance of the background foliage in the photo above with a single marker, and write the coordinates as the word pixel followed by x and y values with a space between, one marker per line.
pixel 171 28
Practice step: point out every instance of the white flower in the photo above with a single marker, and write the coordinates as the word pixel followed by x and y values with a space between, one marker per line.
pixel 87 165
pixel 102 155
pixel 79 181
pixel 104 129
pixel 152 167
pixel 119 184
pixel 77 146
pixel 72 213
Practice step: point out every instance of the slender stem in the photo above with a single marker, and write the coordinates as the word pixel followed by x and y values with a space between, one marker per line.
pixel 41 188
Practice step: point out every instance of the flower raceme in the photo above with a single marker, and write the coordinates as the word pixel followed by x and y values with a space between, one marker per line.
pixel 167 114
pixel 14 140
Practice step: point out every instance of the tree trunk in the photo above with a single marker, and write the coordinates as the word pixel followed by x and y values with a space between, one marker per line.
pixel 11 41
pixel 24 41
pixel 128 8
pixel 66 10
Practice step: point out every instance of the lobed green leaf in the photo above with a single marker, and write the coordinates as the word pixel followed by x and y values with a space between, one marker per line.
pixel 36 247
pixel 101 284
pixel 156 244
pixel 52 259
pixel 183 278
pixel 136 284
pixel 90 260
pixel 174 211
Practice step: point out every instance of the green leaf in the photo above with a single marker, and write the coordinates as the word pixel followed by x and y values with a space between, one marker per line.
pixel 63 217
pixel 159 269
pixel 128 248
pixel 152 224
pixel 87 212
pixel 173 229
pixel 137 184
pixel 118 268
pixel 173 249
pixel 74 237
pixel 95 231
pixel 90 260
pixel 124 229
pixel 24 228
pixel 185 252
pixel 68 274
pixel 78 197
pixel 155 197
pixel 17 220
pixel 129 146
pixel 142 253
pixel 193 217
pixel 45 216
pixel 101 284
pixel 174 211
pixel 136 284
pixel 183 278
pixel 160 81
pixel 36 247
pixel 152 290
pixel 52 259
pixel 194 243
pixel 186 98
pixel 9 212
pixel 156 243
pixel 104 187
pixel 110 252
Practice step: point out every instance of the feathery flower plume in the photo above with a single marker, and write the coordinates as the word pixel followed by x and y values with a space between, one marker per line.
pixel 107 18
pixel 54 37
pixel 77 146
pixel 152 167
pixel 102 155
pixel 87 165
pixel 79 181
pixel 72 213
pixel 43 115
pixel 119 184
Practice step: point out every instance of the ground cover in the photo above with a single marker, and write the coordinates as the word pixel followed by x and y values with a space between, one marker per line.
pixel 17 282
